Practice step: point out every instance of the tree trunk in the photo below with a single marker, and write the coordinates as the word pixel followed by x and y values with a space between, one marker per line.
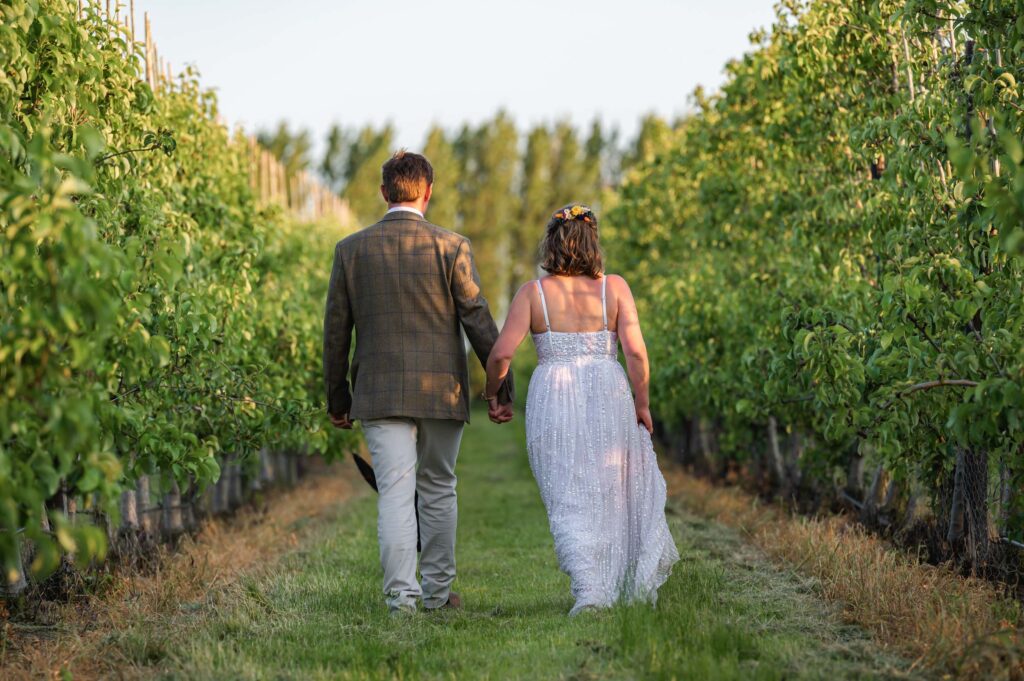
pixel 910 513
pixel 869 511
pixel 968 517
pixel 693 443
pixel 266 467
pixel 855 474
pixel 795 452
pixel 142 501
pixel 188 503
pixel 293 470
pixel 221 489
pixel 976 508
pixel 706 461
pixel 778 463
pixel 172 520
pixel 129 512
pixel 955 533
pixel 235 493
pixel 1005 498
pixel 16 587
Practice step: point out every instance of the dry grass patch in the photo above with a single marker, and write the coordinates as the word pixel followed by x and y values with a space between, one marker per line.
pixel 948 624
pixel 111 634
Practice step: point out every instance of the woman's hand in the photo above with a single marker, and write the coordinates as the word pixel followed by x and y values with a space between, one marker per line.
pixel 643 418
pixel 499 413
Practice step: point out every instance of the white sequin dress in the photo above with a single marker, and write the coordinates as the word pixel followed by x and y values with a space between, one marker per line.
pixel 596 468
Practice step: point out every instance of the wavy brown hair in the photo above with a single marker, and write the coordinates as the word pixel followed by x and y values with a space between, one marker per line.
pixel 571 247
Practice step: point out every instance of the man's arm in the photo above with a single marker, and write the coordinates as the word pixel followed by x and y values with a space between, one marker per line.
pixel 475 314
pixel 337 341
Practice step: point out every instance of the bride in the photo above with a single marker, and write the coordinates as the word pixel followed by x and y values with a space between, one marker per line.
pixel 588 439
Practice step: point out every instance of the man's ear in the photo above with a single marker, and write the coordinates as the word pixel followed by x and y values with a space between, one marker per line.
pixel 384 193
pixel 428 193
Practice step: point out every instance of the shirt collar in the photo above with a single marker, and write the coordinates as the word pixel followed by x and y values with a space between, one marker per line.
pixel 404 208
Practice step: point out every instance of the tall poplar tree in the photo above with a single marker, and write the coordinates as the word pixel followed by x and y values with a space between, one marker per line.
pixel 567 175
pixel 367 153
pixel 536 206
pixel 444 206
pixel 490 202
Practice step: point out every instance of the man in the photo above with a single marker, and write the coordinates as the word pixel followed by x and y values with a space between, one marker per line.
pixel 409 288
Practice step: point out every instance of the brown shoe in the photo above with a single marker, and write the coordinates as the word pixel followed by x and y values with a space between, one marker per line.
pixel 454 602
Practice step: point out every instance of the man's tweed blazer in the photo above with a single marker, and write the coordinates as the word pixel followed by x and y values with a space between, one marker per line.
pixel 406 286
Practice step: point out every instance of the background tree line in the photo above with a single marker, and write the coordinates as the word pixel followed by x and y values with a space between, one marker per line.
pixel 496 183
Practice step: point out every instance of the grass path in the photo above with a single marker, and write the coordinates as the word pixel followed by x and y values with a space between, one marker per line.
pixel 318 614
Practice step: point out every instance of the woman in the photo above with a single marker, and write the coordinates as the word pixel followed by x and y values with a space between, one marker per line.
pixel 588 439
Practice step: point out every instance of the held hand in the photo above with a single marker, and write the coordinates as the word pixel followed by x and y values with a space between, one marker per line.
pixel 643 418
pixel 342 421
pixel 499 413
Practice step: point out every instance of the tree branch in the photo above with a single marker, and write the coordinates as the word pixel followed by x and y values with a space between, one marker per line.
pixel 928 385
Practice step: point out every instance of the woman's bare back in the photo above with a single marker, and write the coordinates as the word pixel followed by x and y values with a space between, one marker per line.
pixel 574 305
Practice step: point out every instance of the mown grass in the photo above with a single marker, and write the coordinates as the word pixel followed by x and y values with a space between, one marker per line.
pixel 318 613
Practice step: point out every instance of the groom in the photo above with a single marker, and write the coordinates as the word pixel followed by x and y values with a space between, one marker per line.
pixel 409 289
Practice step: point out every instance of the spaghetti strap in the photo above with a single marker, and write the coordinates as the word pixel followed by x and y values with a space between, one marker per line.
pixel 604 305
pixel 544 305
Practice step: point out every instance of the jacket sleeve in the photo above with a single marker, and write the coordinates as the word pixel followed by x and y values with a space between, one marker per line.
pixel 337 340
pixel 475 314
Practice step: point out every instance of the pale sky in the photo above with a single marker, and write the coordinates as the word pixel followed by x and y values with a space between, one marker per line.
pixel 314 62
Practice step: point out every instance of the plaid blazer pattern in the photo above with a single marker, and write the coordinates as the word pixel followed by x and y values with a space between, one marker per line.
pixel 406 286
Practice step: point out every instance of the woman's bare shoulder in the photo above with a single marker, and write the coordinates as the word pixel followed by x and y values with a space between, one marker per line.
pixel 526 291
pixel 526 287
pixel 617 282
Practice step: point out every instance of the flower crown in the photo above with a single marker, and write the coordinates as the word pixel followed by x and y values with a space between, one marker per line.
pixel 575 212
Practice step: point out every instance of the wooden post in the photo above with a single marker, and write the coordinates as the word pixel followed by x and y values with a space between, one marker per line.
pixel 271 182
pixel 254 178
pixel 148 47
pixel 142 504
pixel 131 5
pixel 265 179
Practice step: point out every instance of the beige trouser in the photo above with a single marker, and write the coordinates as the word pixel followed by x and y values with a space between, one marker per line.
pixel 410 456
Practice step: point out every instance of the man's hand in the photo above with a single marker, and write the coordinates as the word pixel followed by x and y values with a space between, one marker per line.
pixel 342 421
pixel 499 413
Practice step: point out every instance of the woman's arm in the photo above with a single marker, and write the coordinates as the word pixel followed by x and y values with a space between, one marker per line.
pixel 635 351
pixel 517 325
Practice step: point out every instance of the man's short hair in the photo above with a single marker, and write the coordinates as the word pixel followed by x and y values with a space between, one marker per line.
pixel 406 176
